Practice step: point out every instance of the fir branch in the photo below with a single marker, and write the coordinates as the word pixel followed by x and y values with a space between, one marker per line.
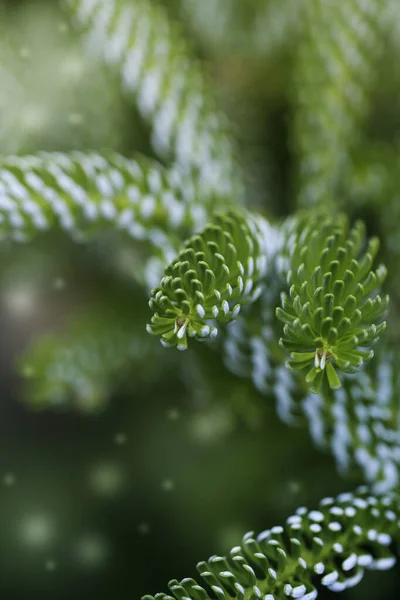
pixel 332 545
pixel 360 423
pixel 334 74
pixel 250 348
pixel 217 271
pixel 172 93
pixel 82 366
pixel 333 312
pixel 87 193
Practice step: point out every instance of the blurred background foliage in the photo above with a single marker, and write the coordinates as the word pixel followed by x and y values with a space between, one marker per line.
pixel 130 464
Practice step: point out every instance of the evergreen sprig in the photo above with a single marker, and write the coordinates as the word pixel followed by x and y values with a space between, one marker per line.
pixel 360 423
pixel 333 78
pixel 157 67
pixel 85 193
pixel 251 349
pixel 332 545
pixel 217 271
pixel 333 312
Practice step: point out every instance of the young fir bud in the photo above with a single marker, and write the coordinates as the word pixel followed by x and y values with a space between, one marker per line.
pixel 216 272
pixel 332 312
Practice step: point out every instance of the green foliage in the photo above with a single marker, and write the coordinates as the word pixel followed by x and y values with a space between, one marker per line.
pixel 84 194
pixel 332 545
pixel 229 273
pixel 333 75
pixel 250 347
pixel 333 312
pixel 373 186
pixel 360 423
pixel 171 90
pixel 216 272
pixel 81 367
pixel 251 29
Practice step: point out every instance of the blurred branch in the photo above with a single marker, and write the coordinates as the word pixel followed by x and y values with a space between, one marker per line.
pixel 335 71
pixel 87 193
pixel 255 29
pixel 84 365
pixel 157 66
